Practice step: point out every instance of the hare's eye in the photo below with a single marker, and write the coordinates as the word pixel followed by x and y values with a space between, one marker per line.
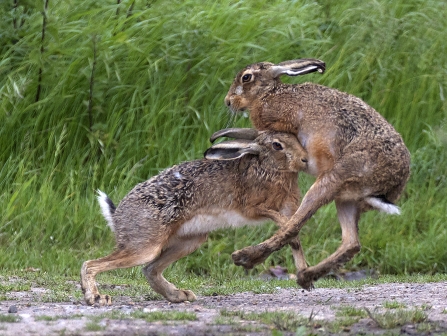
pixel 246 78
pixel 277 146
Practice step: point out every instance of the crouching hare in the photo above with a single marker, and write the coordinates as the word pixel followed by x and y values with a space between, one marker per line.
pixel 241 182
pixel 359 159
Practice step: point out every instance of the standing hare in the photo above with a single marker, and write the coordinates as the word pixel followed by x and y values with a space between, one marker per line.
pixel 359 159
pixel 244 181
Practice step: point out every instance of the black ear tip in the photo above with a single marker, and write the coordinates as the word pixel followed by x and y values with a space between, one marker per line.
pixel 321 67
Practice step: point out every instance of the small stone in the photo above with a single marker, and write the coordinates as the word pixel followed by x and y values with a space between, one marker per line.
pixel 12 309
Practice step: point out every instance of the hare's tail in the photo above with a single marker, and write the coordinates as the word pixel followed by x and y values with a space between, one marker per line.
pixel 382 204
pixel 107 208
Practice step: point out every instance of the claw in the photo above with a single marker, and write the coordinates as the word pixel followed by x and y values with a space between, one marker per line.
pixel 305 280
pixel 179 296
pixel 101 300
pixel 249 256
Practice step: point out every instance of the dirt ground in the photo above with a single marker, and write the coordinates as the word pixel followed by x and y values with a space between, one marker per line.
pixel 318 306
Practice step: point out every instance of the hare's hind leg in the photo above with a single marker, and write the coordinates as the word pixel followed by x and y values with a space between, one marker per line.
pixel 348 215
pixel 117 259
pixel 177 248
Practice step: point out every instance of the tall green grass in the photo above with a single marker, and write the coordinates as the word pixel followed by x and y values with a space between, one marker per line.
pixel 129 88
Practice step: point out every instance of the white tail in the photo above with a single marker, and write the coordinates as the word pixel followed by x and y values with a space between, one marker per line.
pixel 380 205
pixel 107 208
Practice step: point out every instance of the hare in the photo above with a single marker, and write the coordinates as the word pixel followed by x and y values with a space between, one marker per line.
pixel 359 160
pixel 244 181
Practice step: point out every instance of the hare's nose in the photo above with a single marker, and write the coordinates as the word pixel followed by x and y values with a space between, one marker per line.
pixel 227 101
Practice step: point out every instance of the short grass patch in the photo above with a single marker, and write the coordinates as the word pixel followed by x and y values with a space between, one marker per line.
pixel 14 287
pixel 164 316
pixel 341 324
pixel 399 317
pixel 131 283
pixel 282 321
pixel 148 316
pixel 236 324
pixel 93 326
pixel 58 317
pixel 349 311
pixel 9 318
pixel 394 305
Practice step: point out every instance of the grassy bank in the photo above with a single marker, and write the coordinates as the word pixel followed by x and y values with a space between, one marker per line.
pixel 105 95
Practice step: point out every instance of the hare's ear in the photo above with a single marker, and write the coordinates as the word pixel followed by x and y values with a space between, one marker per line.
pixel 237 133
pixel 297 67
pixel 231 150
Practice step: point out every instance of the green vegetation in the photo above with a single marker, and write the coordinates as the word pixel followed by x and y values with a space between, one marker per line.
pixel 148 316
pixel 281 321
pixel 94 326
pixel 64 288
pixel 164 316
pixel 346 317
pixel 393 305
pixel 349 311
pixel 58 317
pixel 104 95
pixel 9 318
pixel 395 318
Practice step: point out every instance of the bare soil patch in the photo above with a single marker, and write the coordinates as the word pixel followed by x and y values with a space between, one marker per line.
pixel 318 309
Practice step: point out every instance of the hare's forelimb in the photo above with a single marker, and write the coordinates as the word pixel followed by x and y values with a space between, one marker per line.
pixel 295 243
pixel 178 247
pixel 322 192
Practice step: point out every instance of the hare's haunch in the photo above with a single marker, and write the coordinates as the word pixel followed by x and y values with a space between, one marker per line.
pixel 359 159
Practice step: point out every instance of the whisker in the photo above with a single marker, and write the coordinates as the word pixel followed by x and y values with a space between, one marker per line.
pixel 231 120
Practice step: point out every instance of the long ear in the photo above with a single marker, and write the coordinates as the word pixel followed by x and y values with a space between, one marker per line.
pixel 297 67
pixel 237 133
pixel 231 150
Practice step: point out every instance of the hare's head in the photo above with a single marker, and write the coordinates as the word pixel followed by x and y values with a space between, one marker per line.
pixel 260 78
pixel 275 150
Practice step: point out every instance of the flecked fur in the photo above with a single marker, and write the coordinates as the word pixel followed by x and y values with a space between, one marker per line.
pixel 168 216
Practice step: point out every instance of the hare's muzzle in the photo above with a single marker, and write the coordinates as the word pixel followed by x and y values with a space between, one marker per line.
pixel 227 101
pixel 235 103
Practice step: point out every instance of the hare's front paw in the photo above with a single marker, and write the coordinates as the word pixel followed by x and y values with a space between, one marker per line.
pixel 305 280
pixel 102 300
pixel 250 256
pixel 180 295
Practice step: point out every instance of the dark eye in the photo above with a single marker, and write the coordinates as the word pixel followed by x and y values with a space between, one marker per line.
pixel 246 78
pixel 277 146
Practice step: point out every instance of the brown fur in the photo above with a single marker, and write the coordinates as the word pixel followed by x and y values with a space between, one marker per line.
pixel 353 151
pixel 153 223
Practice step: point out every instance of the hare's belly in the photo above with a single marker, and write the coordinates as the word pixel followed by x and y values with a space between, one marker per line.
pixel 219 219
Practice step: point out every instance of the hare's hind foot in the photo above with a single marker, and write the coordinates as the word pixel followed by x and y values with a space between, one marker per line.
pixel 305 279
pixel 180 295
pixel 250 256
pixel 98 299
